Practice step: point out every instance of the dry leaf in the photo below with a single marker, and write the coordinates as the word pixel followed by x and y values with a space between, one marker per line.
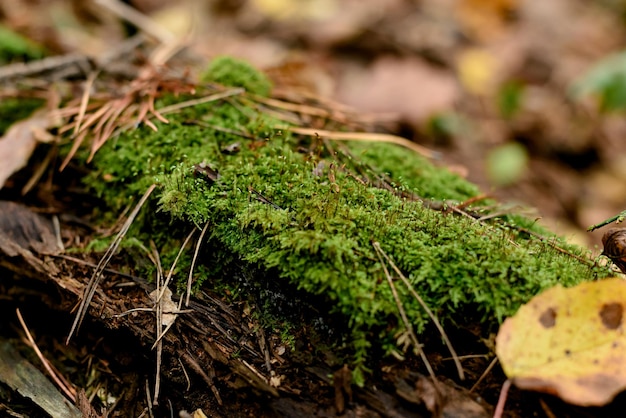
pixel 569 342
pixel 408 87
pixel 19 142
pixel 168 306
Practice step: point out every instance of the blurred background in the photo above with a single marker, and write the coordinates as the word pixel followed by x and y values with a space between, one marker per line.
pixel 524 98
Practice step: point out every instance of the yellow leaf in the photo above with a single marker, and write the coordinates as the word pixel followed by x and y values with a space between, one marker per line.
pixel 569 342
pixel 477 68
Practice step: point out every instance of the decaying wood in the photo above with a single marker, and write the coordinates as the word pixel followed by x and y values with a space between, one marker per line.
pixel 206 336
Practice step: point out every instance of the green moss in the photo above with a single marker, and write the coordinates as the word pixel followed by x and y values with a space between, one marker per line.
pixel 15 109
pixel 232 72
pixel 415 172
pixel 14 46
pixel 313 224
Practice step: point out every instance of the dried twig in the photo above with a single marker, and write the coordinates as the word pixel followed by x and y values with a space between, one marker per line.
pixel 148 400
pixel 74 63
pixel 182 365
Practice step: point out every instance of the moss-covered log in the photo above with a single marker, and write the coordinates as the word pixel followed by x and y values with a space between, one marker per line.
pixel 308 212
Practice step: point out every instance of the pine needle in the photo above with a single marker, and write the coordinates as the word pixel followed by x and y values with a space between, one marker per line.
pixel 432 316
pixel 91 287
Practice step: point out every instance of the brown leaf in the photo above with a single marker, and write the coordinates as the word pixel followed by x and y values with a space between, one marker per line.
pixel 19 142
pixel 409 87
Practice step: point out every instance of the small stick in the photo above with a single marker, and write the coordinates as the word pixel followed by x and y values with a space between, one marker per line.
pixel 159 312
pixel 185 373
pixel 191 361
pixel 81 63
pixel 148 399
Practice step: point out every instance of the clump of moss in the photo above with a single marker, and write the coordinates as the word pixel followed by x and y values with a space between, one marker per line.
pixel 232 72
pixel 312 222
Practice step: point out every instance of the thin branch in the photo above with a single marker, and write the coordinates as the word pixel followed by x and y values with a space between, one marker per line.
pixel 159 316
pixel 170 273
pixel 182 365
pixel 191 361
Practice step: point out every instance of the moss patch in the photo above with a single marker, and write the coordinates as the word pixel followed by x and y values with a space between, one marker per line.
pixel 232 72
pixel 308 218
